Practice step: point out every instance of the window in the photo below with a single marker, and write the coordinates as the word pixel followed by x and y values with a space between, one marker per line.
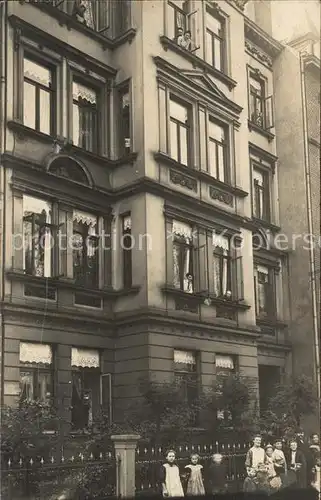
pixel 183 257
pixel 37 236
pixel 124 120
pixel 85 249
pixel 217 151
pixel 94 14
pixel 178 18
pixel 36 380
pixel 127 250
pixel 222 266
pixel 86 374
pixel 215 33
pixel 269 379
pixel 261 195
pixel 38 96
pixel 185 373
pixel 179 131
pixel 122 16
pixel 85 117
pixel 264 282
pixel 260 106
pixel 225 366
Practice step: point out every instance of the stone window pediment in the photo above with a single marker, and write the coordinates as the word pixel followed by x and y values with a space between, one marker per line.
pixel 68 168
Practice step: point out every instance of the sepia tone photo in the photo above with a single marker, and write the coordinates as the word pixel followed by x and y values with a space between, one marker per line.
pixel 159 248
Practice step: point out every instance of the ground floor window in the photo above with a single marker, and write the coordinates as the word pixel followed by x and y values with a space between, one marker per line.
pixel 225 367
pixel 85 387
pixel 36 377
pixel 269 379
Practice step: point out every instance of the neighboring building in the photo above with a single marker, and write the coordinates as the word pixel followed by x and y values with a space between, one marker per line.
pixel 146 130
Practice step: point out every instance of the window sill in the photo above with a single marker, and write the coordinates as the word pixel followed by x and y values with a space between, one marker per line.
pixel 229 303
pixel 260 130
pixel 171 290
pixel 108 292
pixel 200 175
pixel 96 157
pixel 201 296
pixel 71 22
pixel 197 61
pixel 271 322
pixel 265 224
pixel 23 131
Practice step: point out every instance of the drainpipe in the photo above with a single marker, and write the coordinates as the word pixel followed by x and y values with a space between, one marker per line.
pixel 310 228
pixel 3 121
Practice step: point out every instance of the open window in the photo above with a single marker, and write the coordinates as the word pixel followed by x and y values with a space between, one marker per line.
pixel 265 292
pixel 260 104
pixel 183 257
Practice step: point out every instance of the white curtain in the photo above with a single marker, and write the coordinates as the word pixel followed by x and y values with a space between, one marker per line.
pixel 35 353
pixel 181 229
pixel 220 241
pixel 185 357
pixel 127 222
pixel 226 362
pixel 85 358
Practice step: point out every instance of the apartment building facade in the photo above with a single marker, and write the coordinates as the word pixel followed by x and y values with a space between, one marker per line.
pixel 139 198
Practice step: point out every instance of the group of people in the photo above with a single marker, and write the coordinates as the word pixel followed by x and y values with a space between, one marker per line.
pixel 268 470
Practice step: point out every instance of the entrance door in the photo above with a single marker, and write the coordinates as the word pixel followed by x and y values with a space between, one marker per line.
pixel 269 378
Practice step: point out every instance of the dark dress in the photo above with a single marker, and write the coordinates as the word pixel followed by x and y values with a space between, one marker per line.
pixel 299 476
pixel 249 486
pixel 217 482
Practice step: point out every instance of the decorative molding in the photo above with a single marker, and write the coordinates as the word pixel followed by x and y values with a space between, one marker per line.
pixel 17 38
pixel 226 198
pixel 183 180
pixel 185 304
pixel 258 54
pixel 239 3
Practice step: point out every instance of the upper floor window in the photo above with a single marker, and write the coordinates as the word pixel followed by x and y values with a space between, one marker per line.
pixel 215 35
pixel 127 250
pixel 85 125
pixel 222 266
pixel 185 372
pixel 180 130
pixel 38 96
pixel 86 375
pixel 36 377
pixel 178 18
pixel 37 235
pixel 218 150
pixel 260 105
pixel 261 194
pixel 265 292
pixel 124 120
pixel 183 257
pixel 85 249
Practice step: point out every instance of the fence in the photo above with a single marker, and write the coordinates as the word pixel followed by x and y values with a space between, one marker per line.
pixel 78 477
pixel 150 458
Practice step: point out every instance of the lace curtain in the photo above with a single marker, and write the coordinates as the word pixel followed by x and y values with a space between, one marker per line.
pixel 226 362
pixel 35 353
pixel 185 357
pixel 85 358
pixel 221 247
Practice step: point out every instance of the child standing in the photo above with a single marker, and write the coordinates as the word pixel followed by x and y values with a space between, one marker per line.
pixel 194 477
pixel 169 477
pixel 274 479
pixel 249 485
pixel 217 475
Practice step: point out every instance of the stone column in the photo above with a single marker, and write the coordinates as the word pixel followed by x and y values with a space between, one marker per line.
pixel 125 448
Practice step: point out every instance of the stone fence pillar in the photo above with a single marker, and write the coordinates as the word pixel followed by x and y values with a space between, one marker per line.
pixel 125 450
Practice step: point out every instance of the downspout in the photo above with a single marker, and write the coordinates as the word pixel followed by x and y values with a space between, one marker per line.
pixel 3 122
pixel 310 229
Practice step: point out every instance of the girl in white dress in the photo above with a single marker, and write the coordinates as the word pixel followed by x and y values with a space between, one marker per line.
pixel 170 478
pixel 194 477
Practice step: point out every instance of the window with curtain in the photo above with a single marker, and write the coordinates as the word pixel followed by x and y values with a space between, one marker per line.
pixel 225 366
pixel 38 96
pixel 257 99
pixel 124 120
pixel 215 34
pixel 36 377
pixel 218 150
pixel 222 266
pixel 183 250
pixel 178 18
pixel 179 118
pixel 261 195
pixel 85 245
pixel 127 244
pixel 185 373
pixel 265 292
pixel 85 364
pixel 85 117
pixel 37 236
pixel 94 14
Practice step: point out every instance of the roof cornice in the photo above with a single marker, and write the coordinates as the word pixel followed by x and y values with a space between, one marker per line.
pixel 260 38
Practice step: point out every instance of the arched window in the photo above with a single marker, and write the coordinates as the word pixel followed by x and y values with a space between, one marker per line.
pixel 69 169
pixel 259 240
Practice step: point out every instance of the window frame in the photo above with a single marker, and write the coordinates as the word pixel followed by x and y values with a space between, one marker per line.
pixel 176 12
pixel 271 311
pixel 267 124
pixel 174 97
pixel 36 369
pixel 190 379
pixel 223 415
pixel 95 113
pixel 97 239
pixel 122 89
pixel 226 147
pixel 265 190
pixel 178 241
pixel 127 253
pixel 222 39
pixel 27 52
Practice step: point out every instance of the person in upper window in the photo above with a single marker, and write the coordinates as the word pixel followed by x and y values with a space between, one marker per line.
pixel 256 455
pixel 179 38
pixel 169 479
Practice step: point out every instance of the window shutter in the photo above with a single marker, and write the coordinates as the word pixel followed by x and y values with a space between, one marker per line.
pixel 163 146
pixel 202 138
pixel 237 278
pixel 269 112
